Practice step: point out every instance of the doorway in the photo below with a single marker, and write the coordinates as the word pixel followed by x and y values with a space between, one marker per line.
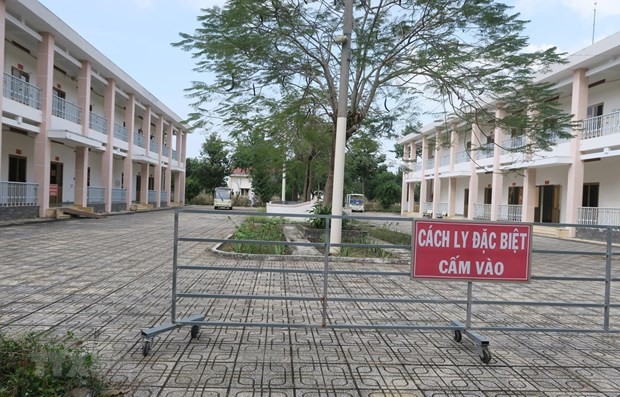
pixel 466 203
pixel 547 204
pixel 138 184
pixel 56 176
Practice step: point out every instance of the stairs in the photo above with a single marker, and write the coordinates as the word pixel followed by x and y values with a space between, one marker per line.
pixel 138 207
pixel 550 231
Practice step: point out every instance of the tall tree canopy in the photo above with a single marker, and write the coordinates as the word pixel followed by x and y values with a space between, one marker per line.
pixel 210 170
pixel 466 54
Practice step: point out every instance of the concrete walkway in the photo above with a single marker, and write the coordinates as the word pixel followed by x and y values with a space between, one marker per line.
pixel 107 279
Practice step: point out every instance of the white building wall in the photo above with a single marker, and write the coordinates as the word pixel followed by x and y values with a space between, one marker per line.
pixel 117 176
pixel 10 145
pixel 605 172
pixel 607 93
pixel 14 56
pixel 96 168
pixel 461 185
pixel 68 85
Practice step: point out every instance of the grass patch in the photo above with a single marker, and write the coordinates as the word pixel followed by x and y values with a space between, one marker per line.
pixel 388 235
pixel 260 229
pixel 33 366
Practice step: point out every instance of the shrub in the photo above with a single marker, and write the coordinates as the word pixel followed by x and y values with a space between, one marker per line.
pixel 202 199
pixel 32 366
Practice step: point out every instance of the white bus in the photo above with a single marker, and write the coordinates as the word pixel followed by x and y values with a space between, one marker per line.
pixel 223 198
pixel 355 202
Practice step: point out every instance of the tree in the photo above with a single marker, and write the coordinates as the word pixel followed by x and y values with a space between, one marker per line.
pixel 210 169
pixel 363 161
pixel 467 55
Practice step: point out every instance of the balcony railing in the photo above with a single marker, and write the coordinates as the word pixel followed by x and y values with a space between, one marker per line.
pixel 97 123
pixel 482 211
pixel 66 110
pixel 163 197
pixel 165 151
pixel 441 209
pixel 152 196
pixel 427 207
pixel 485 151
pixel 462 157
pixel 598 216
pixel 174 155
pixel 95 195
pixel 154 147
pixel 121 132
pixel 417 167
pixel 138 139
pixel 606 124
pixel 21 91
pixel 18 194
pixel 119 195
pixel 512 144
pixel 509 212
pixel 430 164
pixel 444 160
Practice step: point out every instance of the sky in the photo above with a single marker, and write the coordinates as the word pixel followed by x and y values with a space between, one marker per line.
pixel 136 35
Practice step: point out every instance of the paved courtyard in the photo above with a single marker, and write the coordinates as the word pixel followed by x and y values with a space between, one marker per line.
pixel 108 279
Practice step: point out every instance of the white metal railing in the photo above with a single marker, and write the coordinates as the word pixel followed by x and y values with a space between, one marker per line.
pixel 430 164
pixel 606 124
pixel 444 160
pixel 97 123
pixel 152 196
pixel 95 195
pixel 441 209
pixel 18 194
pixel 509 212
pixel 174 155
pixel 482 211
pixel 154 146
pixel 417 166
pixel 119 195
pixel 163 196
pixel 138 139
pixel 511 144
pixel 462 157
pixel 427 207
pixel 485 151
pixel 21 91
pixel 66 110
pixel 165 151
pixel 598 216
pixel 121 132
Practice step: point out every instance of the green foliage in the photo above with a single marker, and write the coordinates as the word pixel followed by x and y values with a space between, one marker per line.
pixel 208 171
pixel 388 193
pixel 202 199
pixel 34 366
pixel 260 229
pixel 320 209
pixel 385 233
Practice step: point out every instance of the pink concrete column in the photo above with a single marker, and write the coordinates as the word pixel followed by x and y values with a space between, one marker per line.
pixel 574 189
pixel 473 179
pixel 81 176
pixel 42 154
pixel 130 115
pixel 423 184
pixel 454 140
pixel 168 178
pixel 109 102
pixel 146 130
pixel 411 187
pixel 159 134
pixel 84 84
pixel 403 196
pixel 178 147
pixel 498 177
pixel 436 179
pixel 144 182
pixel 451 196
pixel 184 147
pixel 529 196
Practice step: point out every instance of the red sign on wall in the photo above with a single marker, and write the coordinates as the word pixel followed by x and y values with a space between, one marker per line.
pixel 471 251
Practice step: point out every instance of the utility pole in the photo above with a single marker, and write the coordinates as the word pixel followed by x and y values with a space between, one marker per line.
pixel 594 22
pixel 341 125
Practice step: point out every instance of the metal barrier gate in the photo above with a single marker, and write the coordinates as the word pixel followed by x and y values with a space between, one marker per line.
pixel 459 328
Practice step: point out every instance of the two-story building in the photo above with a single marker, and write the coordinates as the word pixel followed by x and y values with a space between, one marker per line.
pixel 76 129
pixel 479 177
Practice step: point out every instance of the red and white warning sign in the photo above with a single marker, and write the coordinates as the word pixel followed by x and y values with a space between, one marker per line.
pixel 471 251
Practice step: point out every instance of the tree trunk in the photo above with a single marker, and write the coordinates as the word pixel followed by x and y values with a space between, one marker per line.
pixel 329 183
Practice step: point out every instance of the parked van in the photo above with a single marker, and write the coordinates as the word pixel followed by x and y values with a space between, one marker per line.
pixel 355 202
pixel 223 198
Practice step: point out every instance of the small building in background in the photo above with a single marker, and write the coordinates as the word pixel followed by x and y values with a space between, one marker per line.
pixel 240 181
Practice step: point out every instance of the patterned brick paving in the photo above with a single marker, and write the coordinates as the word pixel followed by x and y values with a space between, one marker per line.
pixel 107 279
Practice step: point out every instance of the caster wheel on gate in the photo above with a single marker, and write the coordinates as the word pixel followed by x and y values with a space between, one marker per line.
pixel 146 347
pixel 458 336
pixel 485 357
pixel 194 331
